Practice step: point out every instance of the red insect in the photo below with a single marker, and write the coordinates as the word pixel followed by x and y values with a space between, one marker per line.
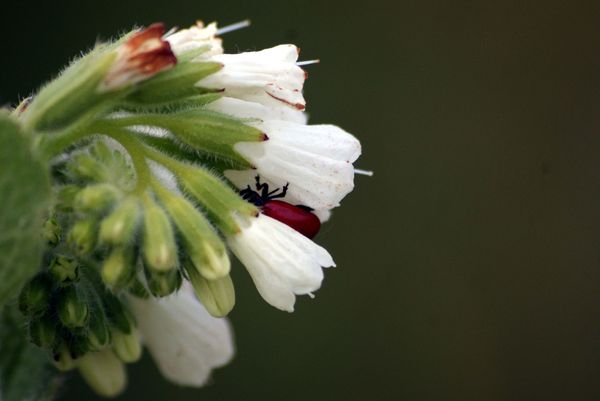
pixel 299 217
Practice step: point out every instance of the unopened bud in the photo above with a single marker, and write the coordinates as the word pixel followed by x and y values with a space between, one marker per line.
pixel 35 295
pixel 138 289
pixel 82 236
pixel 159 248
pixel 119 226
pixel 51 232
pixel 162 284
pixel 116 313
pixel 85 166
pixel 99 332
pixel 202 243
pixel 217 296
pixel 127 347
pixel 73 311
pixel 62 358
pixel 42 332
pixel 103 372
pixel 64 270
pixel 96 198
pixel 118 268
pixel 65 197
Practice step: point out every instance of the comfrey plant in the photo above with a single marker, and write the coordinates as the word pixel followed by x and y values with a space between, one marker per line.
pixel 142 165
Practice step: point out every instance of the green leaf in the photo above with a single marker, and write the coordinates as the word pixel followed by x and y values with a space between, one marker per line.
pixel 25 370
pixel 25 189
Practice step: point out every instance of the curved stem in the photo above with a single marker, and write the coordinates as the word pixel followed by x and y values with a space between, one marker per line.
pixel 137 154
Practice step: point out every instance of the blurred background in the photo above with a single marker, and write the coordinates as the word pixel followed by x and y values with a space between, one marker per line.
pixel 469 265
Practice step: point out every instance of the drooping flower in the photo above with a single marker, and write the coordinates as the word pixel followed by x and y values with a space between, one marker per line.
pixel 184 340
pixel 316 160
pixel 270 76
pixel 282 262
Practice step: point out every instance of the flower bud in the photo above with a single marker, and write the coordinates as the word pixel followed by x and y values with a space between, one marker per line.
pixel 116 313
pixel 103 372
pixel 162 284
pixel 73 311
pixel 82 236
pixel 127 347
pixel 98 332
pixel 85 166
pixel 119 226
pixel 64 270
pixel 217 296
pixel 35 295
pixel 51 232
pixel 43 332
pixel 137 288
pixel 118 268
pixel 202 244
pixel 62 358
pixel 65 197
pixel 96 198
pixel 159 248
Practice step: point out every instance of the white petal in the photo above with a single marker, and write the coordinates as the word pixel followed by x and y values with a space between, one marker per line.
pixel 245 109
pixel 316 160
pixel 282 262
pixel 184 340
pixel 195 37
pixel 269 76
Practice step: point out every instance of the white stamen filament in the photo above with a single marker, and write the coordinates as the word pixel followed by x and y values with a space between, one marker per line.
pixel 307 62
pixel 234 27
pixel 368 173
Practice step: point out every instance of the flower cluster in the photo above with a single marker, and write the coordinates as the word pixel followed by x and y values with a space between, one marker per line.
pixel 167 154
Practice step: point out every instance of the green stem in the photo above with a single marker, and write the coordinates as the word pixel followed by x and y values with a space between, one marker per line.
pixel 138 157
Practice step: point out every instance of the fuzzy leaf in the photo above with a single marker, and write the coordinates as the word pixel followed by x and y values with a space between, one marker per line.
pixel 25 189
pixel 25 370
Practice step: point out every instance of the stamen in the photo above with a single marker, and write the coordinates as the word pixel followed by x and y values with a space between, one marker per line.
pixel 170 32
pixel 307 62
pixel 234 27
pixel 363 172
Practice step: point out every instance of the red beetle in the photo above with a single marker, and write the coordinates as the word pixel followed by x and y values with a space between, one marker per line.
pixel 299 217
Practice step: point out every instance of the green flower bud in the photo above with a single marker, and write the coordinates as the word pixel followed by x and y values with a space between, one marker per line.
pixel 217 296
pixel 51 232
pixel 43 332
pixel 138 289
pixel 64 270
pixel 62 358
pixel 65 197
pixel 203 245
pixel 159 248
pixel 85 166
pixel 221 202
pixel 127 347
pixel 119 226
pixel 35 296
pixel 96 198
pixel 98 332
pixel 118 269
pixel 103 372
pixel 82 236
pixel 73 311
pixel 116 313
pixel 78 346
pixel 162 284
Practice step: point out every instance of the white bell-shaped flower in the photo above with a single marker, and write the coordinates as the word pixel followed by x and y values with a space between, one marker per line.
pixel 195 37
pixel 185 341
pixel 282 262
pixel 269 76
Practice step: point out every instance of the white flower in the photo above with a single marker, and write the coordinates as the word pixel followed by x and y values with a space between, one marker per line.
pixel 142 56
pixel 269 77
pixel 184 340
pixel 316 160
pixel 195 37
pixel 282 262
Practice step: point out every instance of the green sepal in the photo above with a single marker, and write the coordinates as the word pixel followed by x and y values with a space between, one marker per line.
pixel 83 235
pixel 217 296
pixel 206 131
pixel 159 248
pixel 162 284
pixel 34 298
pixel 176 83
pixel 72 307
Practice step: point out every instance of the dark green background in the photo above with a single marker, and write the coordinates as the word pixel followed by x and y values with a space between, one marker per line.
pixel 469 264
